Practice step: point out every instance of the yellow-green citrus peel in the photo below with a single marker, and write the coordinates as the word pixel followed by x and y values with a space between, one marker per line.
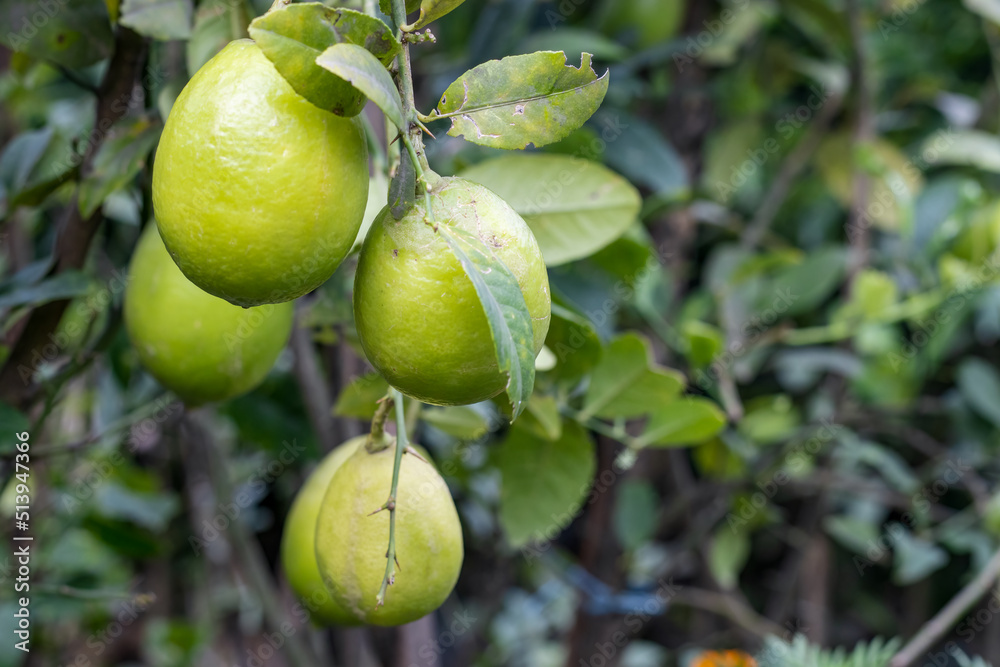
pixel 298 542
pixel 418 316
pixel 197 345
pixel 258 194
pixel 351 541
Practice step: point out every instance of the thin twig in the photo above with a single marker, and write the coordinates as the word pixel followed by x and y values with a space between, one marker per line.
pixel 314 390
pixel 391 561
pixel 864 134
pixel 249 552
pixel 729 607
pixel 793 165
pixel 945 619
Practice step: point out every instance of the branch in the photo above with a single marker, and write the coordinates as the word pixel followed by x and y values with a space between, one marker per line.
pixel 312 385
pixel 76 232
pixel 864 133
pixel 945 619
pixel 793 165
pixel 249 552
pixel 728 607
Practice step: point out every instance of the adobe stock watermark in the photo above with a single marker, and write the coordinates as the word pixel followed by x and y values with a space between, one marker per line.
pixel 431 651
pixel 797 460
pixel 99 642
pixel 750 332
pixel 45 11
pixel 247 496
pixel 972 625
pixel 712 29
pixel 925 330
pixel 606 651
pixel 624 290
pixel 60 340
pixel 901 13
pixel 897 189
pixel 84 489
pixel 543 538
pixel 922 501
pixel 786 127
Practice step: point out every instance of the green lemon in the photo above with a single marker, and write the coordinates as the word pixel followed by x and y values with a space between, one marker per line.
pixel 197 345
pixel 298 543
pixel 418 316
pixel 351 541
pixel 258 194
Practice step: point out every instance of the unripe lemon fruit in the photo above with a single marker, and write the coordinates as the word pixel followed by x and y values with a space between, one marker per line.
pixel 351 541
pixel 417 314
pixel 258 193
pixel 197 345
pixel 298 542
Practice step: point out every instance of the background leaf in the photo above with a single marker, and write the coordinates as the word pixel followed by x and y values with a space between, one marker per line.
pixel 625 383
pixel 121 157
pixel 74 33
pixel 684 422
pixel 160 19
pixel 544 482
pixel 573 206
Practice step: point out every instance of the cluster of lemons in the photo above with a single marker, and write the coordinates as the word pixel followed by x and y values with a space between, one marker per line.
pixel 259 196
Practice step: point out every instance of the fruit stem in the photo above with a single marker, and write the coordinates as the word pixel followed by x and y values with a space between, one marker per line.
pixel 410 135
pixel 376 441
pixel 401 444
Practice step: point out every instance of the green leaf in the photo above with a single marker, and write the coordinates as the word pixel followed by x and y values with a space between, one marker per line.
pixel 294 37
pixel 65 285
pixel 432 10
pixel 74 34
pixel 574 206
pixel 542 417
pixel 800 288
pixel 728 555
pixel 402 187
pixel 980 386
pixel 122 155
pixel 149 510
pixel 967 148
pixel 913 558
pixel 463 422
pixel 531 99
pixel 363 71
pixel 544 481
pixel 636 513
pixel 358 398
pixel 386 6
pixel 639 151
pixel 573 341
pixel 506 312
pixel 683 422
pixel 625 384
pixel 160 19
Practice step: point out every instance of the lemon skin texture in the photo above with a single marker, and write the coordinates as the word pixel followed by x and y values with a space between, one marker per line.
pixel 298 543
pixel 258 194
pixel 197 345
pixel 351 541
pixel 418 316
